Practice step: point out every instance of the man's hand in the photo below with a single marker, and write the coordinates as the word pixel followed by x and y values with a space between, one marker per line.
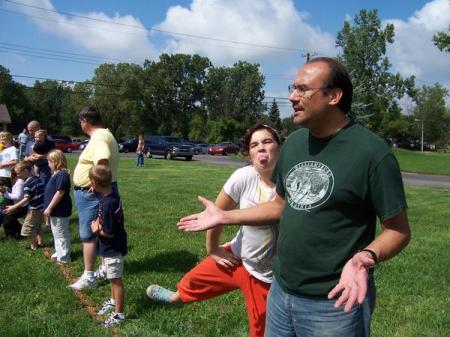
pixel 352 285
pixel 207 219
pixel 95 226
pixel 224 258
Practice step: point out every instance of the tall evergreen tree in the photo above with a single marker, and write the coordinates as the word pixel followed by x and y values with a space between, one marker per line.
pixel 274 115
pixel 376 90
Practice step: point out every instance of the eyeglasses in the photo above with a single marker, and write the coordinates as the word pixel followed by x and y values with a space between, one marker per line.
pixel 301 90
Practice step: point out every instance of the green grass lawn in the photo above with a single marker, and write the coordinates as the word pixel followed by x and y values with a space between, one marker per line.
pixel 413 289
pixel 426 162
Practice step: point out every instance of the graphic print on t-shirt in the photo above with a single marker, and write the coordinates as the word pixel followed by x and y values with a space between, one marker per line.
pixel 308 185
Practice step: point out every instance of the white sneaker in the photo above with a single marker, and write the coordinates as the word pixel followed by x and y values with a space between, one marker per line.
pixel 100 273
pixel 54 257
pixel 106 306
pixel 113 320
pixel 84 283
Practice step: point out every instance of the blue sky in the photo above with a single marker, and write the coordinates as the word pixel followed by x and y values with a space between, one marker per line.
pixel 273 33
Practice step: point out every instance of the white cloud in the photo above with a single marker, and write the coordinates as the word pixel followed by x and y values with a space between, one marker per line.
pixel 275 23
pixel 96 32
pixel 413 52
pixel 263 22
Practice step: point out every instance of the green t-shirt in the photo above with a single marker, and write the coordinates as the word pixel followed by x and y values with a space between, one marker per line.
pixel 3 201
pixel 334 189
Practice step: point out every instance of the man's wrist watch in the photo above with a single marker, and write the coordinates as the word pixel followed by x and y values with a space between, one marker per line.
pixel 373 255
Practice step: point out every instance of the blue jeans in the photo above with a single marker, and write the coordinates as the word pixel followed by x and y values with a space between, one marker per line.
pixel 87 206
pixel 140 159
pixel 292 316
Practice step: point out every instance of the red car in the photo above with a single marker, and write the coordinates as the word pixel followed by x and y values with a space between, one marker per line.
pixel 224 148
pixel 65 146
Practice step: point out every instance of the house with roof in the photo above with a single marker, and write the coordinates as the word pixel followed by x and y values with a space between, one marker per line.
pixel 5 119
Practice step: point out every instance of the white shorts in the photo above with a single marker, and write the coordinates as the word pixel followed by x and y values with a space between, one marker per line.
pixel 114 266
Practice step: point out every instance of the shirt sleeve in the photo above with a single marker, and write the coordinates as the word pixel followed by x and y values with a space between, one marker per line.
pixel 62 181
pixel 277 178
pixel 101 151
pixel 386 188
pixel 26 191
pixel 235 185
pixel 13 154
pixel 17 191
pixel 105 215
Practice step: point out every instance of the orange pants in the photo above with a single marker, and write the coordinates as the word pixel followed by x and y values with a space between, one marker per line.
pixel 208 280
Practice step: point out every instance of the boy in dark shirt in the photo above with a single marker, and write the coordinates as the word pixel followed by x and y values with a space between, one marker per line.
pixel 112 241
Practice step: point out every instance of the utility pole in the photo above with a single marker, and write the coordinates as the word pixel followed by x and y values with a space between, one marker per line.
pixel 309 54
pixel 421 138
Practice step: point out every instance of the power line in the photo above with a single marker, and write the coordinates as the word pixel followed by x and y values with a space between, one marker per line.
pixel 71 23
pixel 100 84
pixel 162 31
pixel 8 50
pixel 114 94
pixel 123 32
pixel 70 81
pixel 86 57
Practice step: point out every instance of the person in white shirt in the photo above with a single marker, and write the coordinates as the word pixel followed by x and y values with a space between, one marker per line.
pixel 9 157
pixel 245 263
pixel 11 224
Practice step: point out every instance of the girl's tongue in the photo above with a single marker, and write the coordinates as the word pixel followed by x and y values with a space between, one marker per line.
pixel 262 157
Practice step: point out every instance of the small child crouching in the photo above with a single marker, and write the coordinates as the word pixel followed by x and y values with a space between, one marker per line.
pixel 112 241
pixel 58 205
pixel 33 195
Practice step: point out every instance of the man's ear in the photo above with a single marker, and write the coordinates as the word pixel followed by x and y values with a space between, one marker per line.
pixel 335 96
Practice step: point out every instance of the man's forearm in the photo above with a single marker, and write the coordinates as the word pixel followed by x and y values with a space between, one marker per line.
pixel 395 236
pixel 263 214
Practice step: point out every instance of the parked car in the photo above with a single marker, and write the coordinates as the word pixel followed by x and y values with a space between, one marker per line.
pixel 168 146
pixel 224 148
pixel 83 145
pixel 201 148
pixel 54 137
pixel 129 145
pixel 65 146
pixel 404 144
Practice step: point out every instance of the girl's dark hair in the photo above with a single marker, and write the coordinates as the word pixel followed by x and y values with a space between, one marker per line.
pixel 250 131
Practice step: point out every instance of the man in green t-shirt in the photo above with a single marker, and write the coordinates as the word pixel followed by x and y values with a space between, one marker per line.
pixel 334 178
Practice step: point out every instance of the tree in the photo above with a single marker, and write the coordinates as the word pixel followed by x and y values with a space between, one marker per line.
pixel 431 110
pixel 117 95
pixel 235 93
pixel 178 91
pixel 274 115
pixel 288 126
pixel 81 95
pixel 49 100
pixel 376 90
pixel 442 41
pixel 13 95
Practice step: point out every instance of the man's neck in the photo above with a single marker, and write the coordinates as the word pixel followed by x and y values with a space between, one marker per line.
pixel 330 126
pixel 92 129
